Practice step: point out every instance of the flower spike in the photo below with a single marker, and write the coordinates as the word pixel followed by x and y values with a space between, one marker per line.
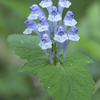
pixel 51 39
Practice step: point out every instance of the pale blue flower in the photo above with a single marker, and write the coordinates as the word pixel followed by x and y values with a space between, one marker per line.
pixel 45 44
pixel 36 13
pixel 31 27
pixel 54 17
pixel 43 24
pixel 72 34
pixel 69 20
pixel 60 36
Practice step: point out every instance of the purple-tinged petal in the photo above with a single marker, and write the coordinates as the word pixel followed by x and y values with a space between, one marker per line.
pixel 32 26
pixel 61 36
pixel 43 24
pixel 45 43
pixel 74 37
pixel 69 15
pixel 64 3
pixel 54 16
pixel 28 31
pixel 72 34
pixel 72 22
pixel 69 19
pixel 37 12
pixel 61 5
pixel 46 3
pixel 30 23
pixel 33 16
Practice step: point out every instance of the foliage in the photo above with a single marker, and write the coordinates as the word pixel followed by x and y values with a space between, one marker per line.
pixel 66 81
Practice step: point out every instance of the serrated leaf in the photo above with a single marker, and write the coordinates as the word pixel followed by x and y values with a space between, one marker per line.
pixel 74 59
pixel 67 83
pixel 26 46
pixel 35 65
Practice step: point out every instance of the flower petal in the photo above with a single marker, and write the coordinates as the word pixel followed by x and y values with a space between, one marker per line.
pixel 72 22
pixel 46 4
pixel 61 39
pixel 45 46
pixel 54 18
pixel 74 37
pixel 28 31
pixel 65 4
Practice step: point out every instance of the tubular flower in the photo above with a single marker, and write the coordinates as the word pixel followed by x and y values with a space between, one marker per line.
pixel 46 4
pixel 36 13
pixel 54 17
pixel 61 36
pixel 52 39
pixel 69 20
pixel 43 24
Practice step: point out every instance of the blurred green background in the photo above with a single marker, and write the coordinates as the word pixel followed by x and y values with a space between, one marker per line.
pixel 25 86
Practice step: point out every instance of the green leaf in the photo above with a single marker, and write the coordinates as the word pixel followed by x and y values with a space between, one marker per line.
pixel 26 46
pixel 67 83
pixel 74 59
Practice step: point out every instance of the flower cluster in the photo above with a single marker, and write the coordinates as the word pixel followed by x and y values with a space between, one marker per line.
pixel 53 38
